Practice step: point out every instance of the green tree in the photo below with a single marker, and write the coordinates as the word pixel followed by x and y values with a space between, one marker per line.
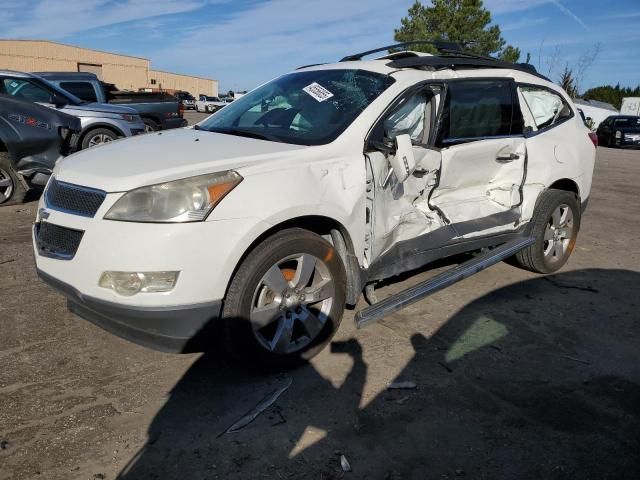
pixel 463 21
pixel 611 94
pixel 568 82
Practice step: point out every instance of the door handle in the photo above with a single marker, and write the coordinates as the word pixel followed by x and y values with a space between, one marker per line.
pixel 507 158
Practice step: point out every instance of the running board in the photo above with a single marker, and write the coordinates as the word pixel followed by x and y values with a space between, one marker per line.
pixel 413 294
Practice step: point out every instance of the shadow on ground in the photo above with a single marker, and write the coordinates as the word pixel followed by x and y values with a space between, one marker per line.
pixel 539 379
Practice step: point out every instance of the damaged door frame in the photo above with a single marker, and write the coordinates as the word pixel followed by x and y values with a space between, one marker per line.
pixel 417 252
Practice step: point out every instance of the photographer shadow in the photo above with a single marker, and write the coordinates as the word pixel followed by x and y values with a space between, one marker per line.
pixel 538 379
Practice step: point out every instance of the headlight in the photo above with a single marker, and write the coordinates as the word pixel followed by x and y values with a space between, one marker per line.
pixel 131 118
pixel 618 134
pixel 186 200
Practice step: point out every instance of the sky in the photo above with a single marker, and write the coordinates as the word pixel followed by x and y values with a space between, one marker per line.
pixel 243 43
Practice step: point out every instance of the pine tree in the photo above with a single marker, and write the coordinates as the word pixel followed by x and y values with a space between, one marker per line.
pixel 462 21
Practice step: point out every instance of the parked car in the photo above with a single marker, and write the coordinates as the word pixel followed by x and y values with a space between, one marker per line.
pixel 188 101
pixel 209 104
pixel 620 131
pixel 159 110
pixel 101 123
pixel 264 220
pixel 32 139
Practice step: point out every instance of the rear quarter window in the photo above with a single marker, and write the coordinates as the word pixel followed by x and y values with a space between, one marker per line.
pixel 82 90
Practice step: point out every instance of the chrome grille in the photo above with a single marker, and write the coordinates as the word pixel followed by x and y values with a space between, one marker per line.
pixel 56 241
pixel 74 199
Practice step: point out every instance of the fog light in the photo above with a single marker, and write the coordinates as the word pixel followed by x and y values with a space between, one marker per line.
pixel 131 283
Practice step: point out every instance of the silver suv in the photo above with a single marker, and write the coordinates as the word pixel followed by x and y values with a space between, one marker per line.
pixel 101 123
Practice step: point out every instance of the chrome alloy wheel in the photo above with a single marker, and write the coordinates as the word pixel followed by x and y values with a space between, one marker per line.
pixel 558 234
pixel 99 139
pixel 6 186
pixel 291 303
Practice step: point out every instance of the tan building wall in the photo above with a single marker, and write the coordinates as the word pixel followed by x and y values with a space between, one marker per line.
pixel 175 81
pixel 126 72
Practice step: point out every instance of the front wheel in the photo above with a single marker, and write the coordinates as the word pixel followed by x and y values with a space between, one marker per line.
pixel 286 300
pixel 11 188
pixel 555 226
pixel 98 136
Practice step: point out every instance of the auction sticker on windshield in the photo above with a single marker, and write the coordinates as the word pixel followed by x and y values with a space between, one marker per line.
pixel 318 92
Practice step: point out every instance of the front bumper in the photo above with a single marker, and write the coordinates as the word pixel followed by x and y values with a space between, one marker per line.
pixel 180 329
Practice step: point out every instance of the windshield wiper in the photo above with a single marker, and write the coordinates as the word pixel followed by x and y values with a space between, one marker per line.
pixel 247 133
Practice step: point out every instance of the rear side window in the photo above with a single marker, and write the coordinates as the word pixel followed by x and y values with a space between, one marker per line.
pixel 82 90
pixel 547 108
pixel 477 109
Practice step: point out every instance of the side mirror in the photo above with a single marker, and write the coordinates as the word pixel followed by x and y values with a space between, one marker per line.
pixel 403 162
pixel 58 100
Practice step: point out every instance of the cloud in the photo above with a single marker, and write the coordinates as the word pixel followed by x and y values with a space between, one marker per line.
pixel 51 20
pixel 506 6
pixel 524 23
pixel 264 40
pixel 570 14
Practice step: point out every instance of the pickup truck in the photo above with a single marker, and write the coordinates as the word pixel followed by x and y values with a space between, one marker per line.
pixel 159 111
pixel 209 104
pixel 187 100
pixel 32 139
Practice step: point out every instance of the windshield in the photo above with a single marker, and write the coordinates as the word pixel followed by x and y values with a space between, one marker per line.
pixel 628 122
pixel 304 108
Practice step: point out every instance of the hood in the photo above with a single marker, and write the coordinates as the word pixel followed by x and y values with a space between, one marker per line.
pixel 92 108
pixel 170 155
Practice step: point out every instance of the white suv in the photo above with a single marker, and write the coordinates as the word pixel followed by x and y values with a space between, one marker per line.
pixel 265 220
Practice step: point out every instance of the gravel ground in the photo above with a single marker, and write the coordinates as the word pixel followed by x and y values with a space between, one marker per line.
pixel 517 376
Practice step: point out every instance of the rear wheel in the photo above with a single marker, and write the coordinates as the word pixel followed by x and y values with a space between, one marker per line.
pixel 98 136
pixel 150 126
pixel 555 226
pixel 286 300
pixel 11 189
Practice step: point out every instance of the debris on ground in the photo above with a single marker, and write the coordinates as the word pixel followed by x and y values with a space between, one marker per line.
pixel 585 362
pixel 4 444
pixel 566 286
pixel 2 262
pixel 265 403
pixel 407 385
pixel 344 463
pixel 445 366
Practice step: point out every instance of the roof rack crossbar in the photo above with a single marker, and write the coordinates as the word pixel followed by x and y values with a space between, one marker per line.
pixel 440 45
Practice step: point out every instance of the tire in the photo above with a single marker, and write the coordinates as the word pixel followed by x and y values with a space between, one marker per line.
pixel 98 136
pixel 267 313
pixel 150 126
pixel 12 190
pixel 555 226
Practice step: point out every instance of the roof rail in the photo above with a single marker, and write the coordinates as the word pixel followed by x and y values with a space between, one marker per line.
pixel 440 45
pixel 462 60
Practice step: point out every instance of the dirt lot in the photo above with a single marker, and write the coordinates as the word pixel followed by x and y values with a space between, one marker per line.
pixel 518 376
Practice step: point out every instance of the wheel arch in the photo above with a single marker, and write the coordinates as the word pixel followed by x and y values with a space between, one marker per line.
pixel 567 185
pixel 155 119
pixel 95 126
pixel 330 229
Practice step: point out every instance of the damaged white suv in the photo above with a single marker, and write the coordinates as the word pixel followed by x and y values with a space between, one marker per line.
pixel 265 220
